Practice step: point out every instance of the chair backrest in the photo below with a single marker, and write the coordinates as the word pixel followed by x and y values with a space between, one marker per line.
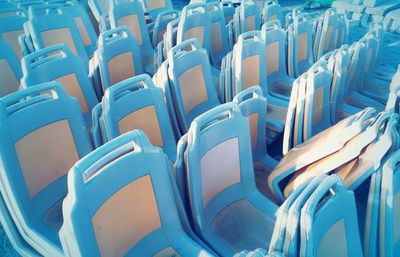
pixel 81 18
pixel 120 56
pixel 329 34
pixel 51 24
pixel 99 8
pixel 170 37
pixel 250 62
pixel 12 26
pixel 195 22
pixel 219 33
pixel 160 27
pixel 253 105
pixel 58 63
pixel 10 69
pixel 131 14
pixel 330 220
pixel 302 44
pixel 275 49
pixel 123 212
pixel 220 134
pixel 271 11
pixel 389 207
pixel 249 16
pixel 155 7
pixel 358 52
pixel 43 136
pixel 136 103
pixel 229 10
pixel 317 105
pixel 192 85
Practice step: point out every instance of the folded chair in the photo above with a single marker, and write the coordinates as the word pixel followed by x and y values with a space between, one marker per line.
pixel 136 103
pixel 12 26
pixel 253 105
pixel 34 182
pixel 130 13
pixel 229 213
pixel 119 56
pixel 10 70
pixel 154 7
pixel 12 233
pixel 271 11
pixel 81 18
pixel 51 24
pixel 329 218
pixel 279 83
pixel 97 132
pixel 352 149
pixel 219 34
pixel 317 102
pixel 58 63
pixel 247 17
pixel 193 90
pixel 291 247
pixel 298 131
pixel 195 22
pixel 316 148
pixel 300 55
pixel 160 26
pixel 360 169
pixel 354 9
pixel 391 21
pixel 389 244
pixel 377 10
pixel 135 213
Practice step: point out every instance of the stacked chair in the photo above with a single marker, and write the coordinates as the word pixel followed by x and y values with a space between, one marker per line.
pixel 10 69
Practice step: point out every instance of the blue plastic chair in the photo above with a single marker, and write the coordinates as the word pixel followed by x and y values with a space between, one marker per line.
pixel 279 83
pixel 271 11
pixel 248 17
pixel 253 105
pixel 359 54
pixel 219 34
pixel 160 26
pixel 317 105
pixel 12 26
pixel 195 22
pixel 193 90
pixel 331 220
pixel 81 18
pixel 131 14
pixel 109 226
pixel 229 10
pixel 136 103
pixel 291 247
pixel 99 8
pixel 12 232
pixel 300 55
pixel 155 7
pixel 229 213
pixel 329 36
pixel 119 56
pixel 10 70
pixel 97 132
pixel 58 63
pixel 34 182
pixel 389 208
pixel 51 24
pixel 278 236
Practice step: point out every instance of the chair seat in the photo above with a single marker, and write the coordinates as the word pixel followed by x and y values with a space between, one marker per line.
pixel 276 113
pixel 255 228
pixel 281 89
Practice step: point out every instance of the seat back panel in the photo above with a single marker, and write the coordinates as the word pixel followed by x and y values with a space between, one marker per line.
pixel 71 85
pixel 132 21
pixel 59 36
pixel 119 225
pixel 121 67
pixel 8 81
